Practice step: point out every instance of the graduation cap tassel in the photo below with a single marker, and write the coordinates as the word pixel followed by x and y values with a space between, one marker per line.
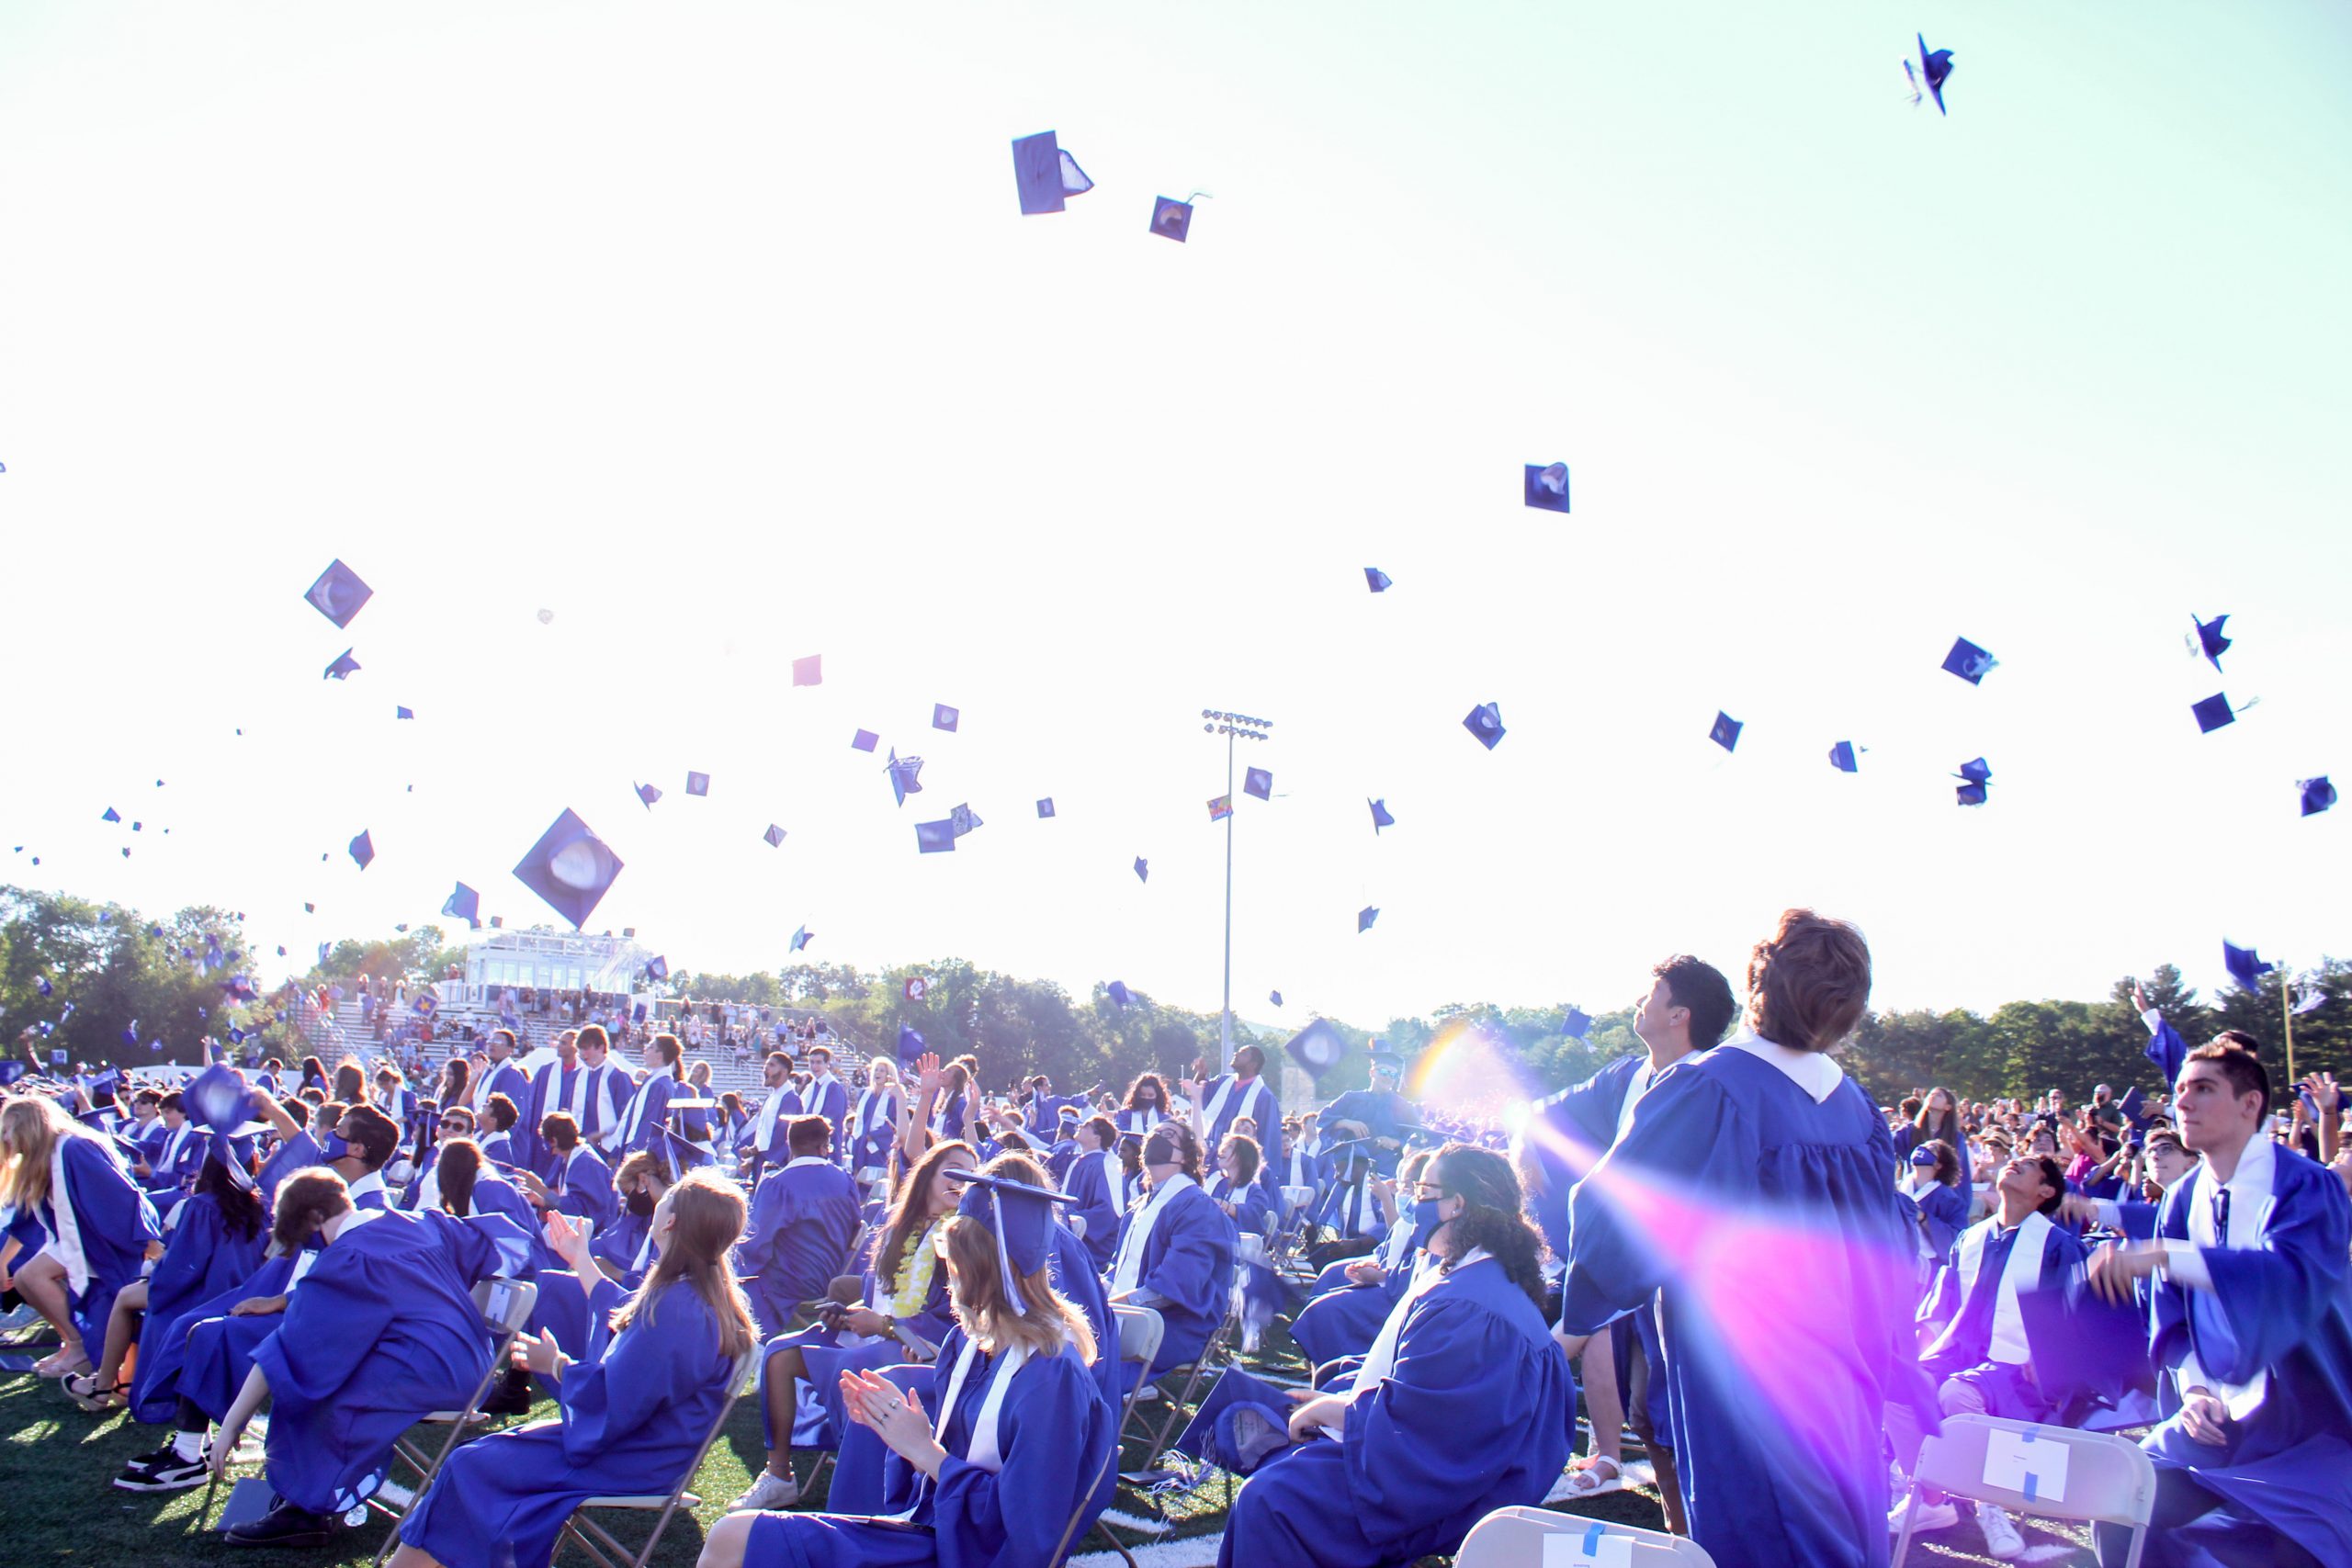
pixel 1004 1257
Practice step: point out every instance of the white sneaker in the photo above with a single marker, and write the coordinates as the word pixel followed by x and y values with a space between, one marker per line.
pixel 771 1493
pixel 1933 1517
pixel 2001 1538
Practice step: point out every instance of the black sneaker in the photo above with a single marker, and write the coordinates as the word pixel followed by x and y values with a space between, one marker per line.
pixel 172 1473
pixel 284 1525
pixel 164 1455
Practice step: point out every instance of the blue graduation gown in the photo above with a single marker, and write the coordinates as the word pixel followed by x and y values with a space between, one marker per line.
pixel 1384 1112
pixel 551 1089
pixel 1475 1417
pixel 2285 1308
pixel 382 1330
pixel 643 1120
pixel 206 1363
pixel 1768 1225
pixel 1093 1187
pixel 1188 1260
pixel 1964 1308
pixel 804 1219
pixel 1342 1318
pixel 1350 1209
pixel 828 1099
pixel 632 1415
pixel 298 1153
pixel 826 1358
pixel 1943 1214
pixel 1053 1435
pixel 1072 1272
pixel 1566 1134
pixel 1137 1124
pixel 872 1132
pixel 168 1173
pixel 202 1259
pixel 115 1222
pixel 1255 1099
pixel 583 1185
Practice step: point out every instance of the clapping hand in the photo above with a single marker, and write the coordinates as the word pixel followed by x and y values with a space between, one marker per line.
pixel 568 1238
pixel 895 1416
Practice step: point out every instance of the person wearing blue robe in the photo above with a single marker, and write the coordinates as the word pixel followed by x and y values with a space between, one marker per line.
pixel 1753 1192
pixel 562 1085
pixel 98 1224
pixel 649 1110
pixel 1234 1189
pixel 632 1413
pixel 578 1183
pixel 1387 1116
pixel 1463 1405
pixel 609 1091
pixel 1349 1300
pixel 502 1075
pixel 1357 1207
pixel 804 1222
pixel 1229 1097
pixel 382 1330
pixel 826 1096
pixel 768 1146
pixel 208 1254
pixel 1146 1106
pixel 2251 1331
pixel 1175 1252
pixel 1092 1183
pixel 178 1154
pixel 1941 1206
pixel 1003 1454
pixel 872 1131
pixel 1299 1167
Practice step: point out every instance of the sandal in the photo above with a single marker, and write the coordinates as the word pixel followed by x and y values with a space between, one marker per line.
pixel 84 1390
pixel 65 1359
pixel 1585 1479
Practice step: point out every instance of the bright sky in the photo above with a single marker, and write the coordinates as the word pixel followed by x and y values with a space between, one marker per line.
pixel 715 329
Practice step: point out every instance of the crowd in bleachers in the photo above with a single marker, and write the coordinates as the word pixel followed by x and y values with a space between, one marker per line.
pixel 982 1314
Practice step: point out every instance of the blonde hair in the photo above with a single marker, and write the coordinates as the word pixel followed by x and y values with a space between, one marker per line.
pixel 978 1286
pixel 30 1127
pixel 705 1219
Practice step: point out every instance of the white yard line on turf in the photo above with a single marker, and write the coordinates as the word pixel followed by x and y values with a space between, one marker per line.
pixel 1192 1552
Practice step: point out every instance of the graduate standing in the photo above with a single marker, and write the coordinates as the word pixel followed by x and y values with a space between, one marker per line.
pixel 2252 1333
pixel 783 1103
pixel 649 1110
pixel 1228 1097
pixel 1092 1183
pixel 874 1121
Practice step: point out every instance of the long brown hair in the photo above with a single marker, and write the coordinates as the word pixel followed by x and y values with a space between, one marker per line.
pixel 1946 1127
pixel 1491 1216
pixel 706 1220
pixel 978 1286
pixel 907 1219
pixel 455 1169
pixel 30 1127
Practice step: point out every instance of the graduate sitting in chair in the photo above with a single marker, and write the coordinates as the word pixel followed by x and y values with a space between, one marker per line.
pixel 1354 1297
pixel 1175 1248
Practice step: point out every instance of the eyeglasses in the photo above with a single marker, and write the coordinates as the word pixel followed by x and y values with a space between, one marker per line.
pixel 1429 1189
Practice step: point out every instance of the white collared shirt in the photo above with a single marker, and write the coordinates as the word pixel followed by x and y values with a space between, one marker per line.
pixel 2251 1198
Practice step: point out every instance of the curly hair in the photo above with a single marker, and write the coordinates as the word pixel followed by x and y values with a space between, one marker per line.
pixel 1491 1217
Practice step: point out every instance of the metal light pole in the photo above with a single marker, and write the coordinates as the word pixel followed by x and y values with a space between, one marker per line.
pixel 1233 727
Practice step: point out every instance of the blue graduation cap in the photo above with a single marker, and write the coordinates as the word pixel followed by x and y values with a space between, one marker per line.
pixel 2083 1345
pixel 1258 781
pixel 1547 486
pixel 1170 218
pixel 1975 777
pixel 363 849
pixel 569 867
pixel 942 716
pixel 1142 869
pixel 1021 1215
pixel 1377 580
pixel 1316 1049
pixel 2209 641
pixel 1576 1025
pixel 963 819
pixel 905 775
pixel 110 815
pixel 1121 997
pixel 774 837
pixel 658 969
pixel 2317 794
pixel 2131 1105
pixel 11 1071
pixel 801 939
pixel 399 712
pixel 808 671
pixel 932 838
pixel 648 793
pixel 1364 917
pixel 1485 722
pixel 1243 1423
pixel 45 987
pixel 2245 964
pixel 1841 757
pixel 338 594
pixel 1046 807
pixel 342 668
pixel 1386 1061
pixel 1275 997
pixel 464 904
pixel 218 1101
pixel 1968 662
pixel 697 783
pixel 1045 174
pixel 911 1044
pixel 1726 732
pixel 1380 817
pixel 2212 713
pixel 1935 69
pixel 865 741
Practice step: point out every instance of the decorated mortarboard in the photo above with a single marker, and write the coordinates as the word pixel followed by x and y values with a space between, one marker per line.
pixel 338 594
pixel 1275 997
pixel 944 718
pixel 911 1044
pixel 218 1101
pixel 905 775
pixel 865 741
pixel 774 837
pixel 2212 713
pixel 465 904
pixel 658 969
pixel 1260 782
pixel 363 849
pixel 1220 807
pixel 399 712
pixel 801 939
pixel 342 668
pixel 1485 722
pixel 1364 917
pixel 1243 1423
pixel 1976 779
pixel 1119 996
pixel 1841 757
pixel 1968 662
pixel 1316 1048
pixel 1935 69
pixel 2130 1104
pixel 1547 486
pixel 569 867
pixel 1726 732
pixel 808 671
pixel 648 793
pixel 2245 964
pixel 2082 1344
pixel 1045 175
pixel 1576 1025
pixel 963 818
pixel 697 783
pixel 2209 641
pixel 2316 795
pixel 1172 218
pixel 935 838
pixel 1142 869
pixel 1380 817
pixel 110 815
pixel 1046 807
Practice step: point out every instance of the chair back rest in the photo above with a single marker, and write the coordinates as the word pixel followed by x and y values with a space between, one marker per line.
pixel 1077 1223
pixel 2053 1472
pixel 506 1304
pixel 1140 1331
pixel 1514 1538
pixel 1294 1199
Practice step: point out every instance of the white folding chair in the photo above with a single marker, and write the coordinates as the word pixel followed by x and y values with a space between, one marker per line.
pixel 505 1306
pixel 2091 1477
pixel 600 1544
pixel 1140 1332
pixel 1515 1537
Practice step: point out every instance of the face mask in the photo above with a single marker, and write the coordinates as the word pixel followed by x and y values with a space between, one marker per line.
pixel 1425 1219
pixel 335 1147
pixel 640 1205
pixel 1159 1152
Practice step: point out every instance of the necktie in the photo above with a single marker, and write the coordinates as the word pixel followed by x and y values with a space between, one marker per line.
pixel 2221 1216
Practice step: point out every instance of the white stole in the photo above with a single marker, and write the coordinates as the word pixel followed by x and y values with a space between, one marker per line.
pixel 1380 1359
pixel 867 1117
pixel 985 1449
pixel 1215 1107
pixel 65 1241
pixel 770 1109
pixel 2023 1272
pixel 1126 1273
pixel 1398 1246
pixel 636 1104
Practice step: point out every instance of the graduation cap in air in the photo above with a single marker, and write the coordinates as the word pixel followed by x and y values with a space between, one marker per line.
pixel 45 987
pixel 2317 794
pixel 1021 1215
pixel 1316 1049
pixel 944 718
pixel 1275 997
pixel 1935 69
pixel 363 850
pixel 647 794
pixel 1547 486
pixel 1485 722
pixel 338 594
pixel 1121 997
pixel 1726 732
pixel 1258 781
pixel 1576 1025
pixel 774 837
pixel 801 939
pixel 808 671
pixel 218 1101
pixel 1346 1153
pixel 1975 777
pixel 2245 964
pixel 2212 713
pixel 2209 641
pixel 1364 917
pixel 1380 817
pixel 963 819
pixel 1243 1422
pixel 911 1044
pixel 1377 580
pixel 905 775
pixel 1841 757
pixel 1968 662
pixel 342 668
pixel 1142 869
pixel 2083 1345
pixel 1220 809
pixel 865 741
pixel 2131 1105
pixel 1172 218
pixel 110 815
pixel 1046 807
pixel 697 783
pixel 1045 174
pixel 932 838
pixel 569 867
pixel 658 969
pixel 399 712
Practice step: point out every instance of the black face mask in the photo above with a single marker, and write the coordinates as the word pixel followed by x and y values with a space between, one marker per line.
pixel 642 1204
pixel 1158 1153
